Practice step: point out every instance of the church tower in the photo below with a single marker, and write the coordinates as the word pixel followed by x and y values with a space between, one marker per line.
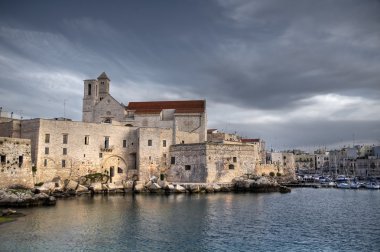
pixel 90 98
pixel 104 85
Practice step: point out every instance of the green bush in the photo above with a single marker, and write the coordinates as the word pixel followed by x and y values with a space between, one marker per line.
pixel 271 174
pixel 278 174
pixel 39 184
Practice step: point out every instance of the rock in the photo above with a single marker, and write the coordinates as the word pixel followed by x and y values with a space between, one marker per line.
pixel 209 188
pixel 179 189
pixel 8 211
pixel 216 188
pixel 153 179
pixel 149 183
pixel 96 187
pixel 58 182
pixel 139 188
pixel 82 189
pixel 194 188
pixel 47 187
pixel 128 185
pixel 170 187
pixel 71 185
pixel 284 189
pixel 163 183
pixel 154 187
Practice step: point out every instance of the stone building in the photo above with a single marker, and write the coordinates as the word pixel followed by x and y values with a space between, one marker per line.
pixel 15 162
pixel 139 141
pixel 211 162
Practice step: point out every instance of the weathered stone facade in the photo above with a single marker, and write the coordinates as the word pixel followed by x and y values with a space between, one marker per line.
pixel 211 162
pixel 15 162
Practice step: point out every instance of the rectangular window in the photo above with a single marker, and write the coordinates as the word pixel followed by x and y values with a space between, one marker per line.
pixel 45 162
pixel 64 151
pixel 172 160
pixel 63 163
pixel 187 167
pixel 47 138
pixel 164 143
pixel 20 160
pixel 124 143
pixel 106 142
pixel 3 159
pixel 65 138
pixel 86 140
pixel 46 150
pixel 149 142
pixel 234 159
pixel 100 155
pixel 164 155
pixel 89 89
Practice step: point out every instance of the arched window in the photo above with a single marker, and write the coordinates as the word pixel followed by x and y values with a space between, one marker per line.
pixel 231 167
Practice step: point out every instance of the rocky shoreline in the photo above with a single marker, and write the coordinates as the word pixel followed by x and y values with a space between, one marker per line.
pixel 47 193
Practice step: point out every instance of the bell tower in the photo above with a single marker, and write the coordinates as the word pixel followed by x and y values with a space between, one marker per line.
pixel 104 85
pixel 90 98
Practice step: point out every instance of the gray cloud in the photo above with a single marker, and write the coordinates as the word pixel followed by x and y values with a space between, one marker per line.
pixel 268 60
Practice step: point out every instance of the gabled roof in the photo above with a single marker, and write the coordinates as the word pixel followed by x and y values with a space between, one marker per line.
pixel 155 107
pixel 104 76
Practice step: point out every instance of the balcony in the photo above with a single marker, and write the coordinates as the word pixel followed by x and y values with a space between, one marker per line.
pixel 106 148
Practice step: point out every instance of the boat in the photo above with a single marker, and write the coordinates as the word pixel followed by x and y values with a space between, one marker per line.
pixel 372 185
pixel 343 185
pixel 355 185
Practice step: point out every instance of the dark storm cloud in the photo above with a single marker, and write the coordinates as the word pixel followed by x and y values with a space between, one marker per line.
pixel 268 60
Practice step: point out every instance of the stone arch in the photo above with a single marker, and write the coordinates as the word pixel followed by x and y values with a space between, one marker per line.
pixel 116 167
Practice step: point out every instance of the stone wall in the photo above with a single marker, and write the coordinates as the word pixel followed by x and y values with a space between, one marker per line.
pixel 211 162
pixel 15 163
pixel 153 158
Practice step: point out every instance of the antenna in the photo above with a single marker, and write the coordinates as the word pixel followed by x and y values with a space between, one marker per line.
pixel 64 108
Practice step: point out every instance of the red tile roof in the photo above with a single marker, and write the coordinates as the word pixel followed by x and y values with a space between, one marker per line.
pixel 155 107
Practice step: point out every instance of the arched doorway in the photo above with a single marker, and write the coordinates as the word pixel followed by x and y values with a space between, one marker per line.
pixel 116 168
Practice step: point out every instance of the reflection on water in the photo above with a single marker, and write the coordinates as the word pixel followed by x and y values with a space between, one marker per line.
pixel 304 220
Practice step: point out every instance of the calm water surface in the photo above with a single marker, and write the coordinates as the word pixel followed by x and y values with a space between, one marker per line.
pixel 304 220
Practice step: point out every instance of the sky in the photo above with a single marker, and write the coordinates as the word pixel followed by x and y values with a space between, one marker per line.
pixel 297 73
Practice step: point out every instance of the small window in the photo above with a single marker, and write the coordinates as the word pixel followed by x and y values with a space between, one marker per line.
pixel 234 159
pixel 64 151
pixel 187 167
pixel 65 138
pixel 164 143
pixel 47 138
pixel 183 141
pixel 231 167
pixel 119 170
pixel 63 163
pixel 106 142
pixel 172 160
pixel 164 155
pixel 20 160
pixel 45 162
pixel 100 155
pixel 124 143
pixel 3 159
pixel 86 140
pixel 149 142
pixel 89 89
pixel 150 158
pixel 46 150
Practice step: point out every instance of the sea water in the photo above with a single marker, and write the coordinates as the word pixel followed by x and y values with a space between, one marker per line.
pixel 304 220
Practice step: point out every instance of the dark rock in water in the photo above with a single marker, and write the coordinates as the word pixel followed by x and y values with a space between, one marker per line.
pixel 284 189
pixel 8 212
pixel 24 198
